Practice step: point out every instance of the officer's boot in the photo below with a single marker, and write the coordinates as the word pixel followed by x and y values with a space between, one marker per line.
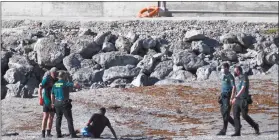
pixel 221 133
pixel 257 129
pixel 74 136
pixel 43 133
pixel 48 133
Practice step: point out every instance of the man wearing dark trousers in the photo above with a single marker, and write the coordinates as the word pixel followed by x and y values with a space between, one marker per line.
pixel 98 122
pixel 62 103
pixel 241 101
pixel 228 87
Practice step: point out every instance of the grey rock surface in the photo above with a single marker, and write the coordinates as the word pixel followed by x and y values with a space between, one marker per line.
pixel 235 47
pixel 162 69
pixel 100 38
pixel 203 72
pixel 108 47
pixel 72 62
pixel 182 75
pixel 5 55
pixel 140 80
pixel 86 47
pixel 55 52
pixel 123 44
pixel 117 72
pixel 194 35
pixel 188 60
pixel 21 63
pixel 110 59
pixel 88 76
pixel 14 75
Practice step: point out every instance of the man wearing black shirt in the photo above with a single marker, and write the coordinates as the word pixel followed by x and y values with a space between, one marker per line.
pixel 98 122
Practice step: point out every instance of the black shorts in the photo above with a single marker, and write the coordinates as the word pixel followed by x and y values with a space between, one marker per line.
pixel 48 109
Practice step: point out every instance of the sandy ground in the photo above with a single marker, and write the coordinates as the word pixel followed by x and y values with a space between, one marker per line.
pixel 188 111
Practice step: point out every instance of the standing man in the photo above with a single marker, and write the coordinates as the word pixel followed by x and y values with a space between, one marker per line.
pixel 48 111
pixel 99 122
pixel 62 103
pixel 228 87
pixel 240 102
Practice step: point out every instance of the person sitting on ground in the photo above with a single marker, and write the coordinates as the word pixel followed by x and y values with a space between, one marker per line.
pixel 97 124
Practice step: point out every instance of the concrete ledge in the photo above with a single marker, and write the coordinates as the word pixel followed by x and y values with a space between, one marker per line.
pixel 85 19
pixel 128 9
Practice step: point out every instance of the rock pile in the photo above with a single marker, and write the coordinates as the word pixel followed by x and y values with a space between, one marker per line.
pixel 124 59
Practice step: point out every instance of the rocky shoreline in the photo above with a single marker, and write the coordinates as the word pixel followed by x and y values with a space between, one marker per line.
pixel 101 54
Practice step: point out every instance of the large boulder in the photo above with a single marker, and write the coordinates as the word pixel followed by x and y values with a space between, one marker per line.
pixel 137 47
pixel 228 38
pixel 149 43
pixel 14 75
pixel 120 83
pixel 89 63
pixel 234 46
pixel 226 55
pixel 271 58
pixel 72 62
pixel 215 76
pixel 162 69
pixel 86 47
pixel 123 44
pixel 148 63
pixel 140 80
pixel 245 40
pixel 100 38
pixel 110 59
pixel 108 47
pixel 182 75
pixel 194 35
pixel 49 53
pixel 201 47
pixel 14 90
pixel 203 72
pixel 273 70
pixel 117 72
pixel 188 60
pixel 31 85
pixel 132 36
pixel 88 76
pixel 4 61
pixel 21 63
pixel 260 58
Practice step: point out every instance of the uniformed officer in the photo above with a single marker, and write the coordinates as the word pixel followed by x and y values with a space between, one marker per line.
pixel 44 92
pixel 228 87
pixel 240 102
pixel 62 103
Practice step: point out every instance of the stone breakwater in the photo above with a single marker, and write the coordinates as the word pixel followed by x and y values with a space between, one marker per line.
pixel 101 54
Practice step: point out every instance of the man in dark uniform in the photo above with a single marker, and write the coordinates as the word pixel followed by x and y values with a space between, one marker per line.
pixel 240 102
pixel 228 87
pixel 45 92
pixel 62 103
pixel 99 122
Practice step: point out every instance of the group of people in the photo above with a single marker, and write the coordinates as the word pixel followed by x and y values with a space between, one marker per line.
pixel 54 91
pixel 236 96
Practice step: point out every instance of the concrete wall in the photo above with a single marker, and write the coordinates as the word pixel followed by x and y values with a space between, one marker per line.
pixel 124 9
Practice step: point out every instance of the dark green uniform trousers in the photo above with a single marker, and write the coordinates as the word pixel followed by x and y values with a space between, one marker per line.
pixel 65 108
pixel 225 111
pixel 241 106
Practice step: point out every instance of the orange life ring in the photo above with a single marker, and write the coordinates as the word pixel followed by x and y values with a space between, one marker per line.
pixel 155 11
